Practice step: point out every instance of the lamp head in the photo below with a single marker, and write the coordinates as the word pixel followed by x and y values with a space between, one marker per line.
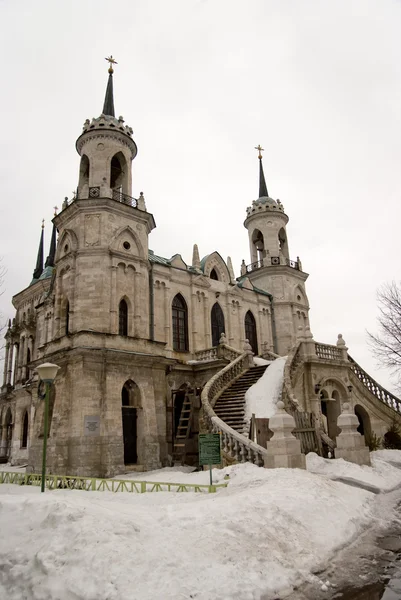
pixel 47 372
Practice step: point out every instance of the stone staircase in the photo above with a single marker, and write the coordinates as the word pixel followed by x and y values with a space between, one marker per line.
pixel 230 406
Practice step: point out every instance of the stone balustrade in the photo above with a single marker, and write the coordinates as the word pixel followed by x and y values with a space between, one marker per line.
pixel 329 352
pixel 375 388
pixel 234 444
pixel 207 354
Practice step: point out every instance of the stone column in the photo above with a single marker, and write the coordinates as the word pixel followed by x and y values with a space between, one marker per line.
pixel 194 300
pixel 350 443
pixel 113 305
pixel 137 314
pixel 206 320
pixel 3 440
pixel 228 326
pixel 16 363
pixel 168 341
pixel 283 449
pixel 10 363
pixel 6 363
pixel 24 352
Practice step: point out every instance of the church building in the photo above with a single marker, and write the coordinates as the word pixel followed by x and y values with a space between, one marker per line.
pixel 136 335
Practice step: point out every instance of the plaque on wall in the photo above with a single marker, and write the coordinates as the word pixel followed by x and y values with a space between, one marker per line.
pixel 91 425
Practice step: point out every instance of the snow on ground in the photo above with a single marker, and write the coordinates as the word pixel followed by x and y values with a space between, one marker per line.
pixel 10 469
pixel 262 397
pixel 382 475
pixel 257 538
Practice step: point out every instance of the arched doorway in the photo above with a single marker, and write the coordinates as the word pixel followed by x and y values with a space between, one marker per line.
pixel 364 427
pixel 331 410
pixel 130 400
pixel 250 331
pixel 217 318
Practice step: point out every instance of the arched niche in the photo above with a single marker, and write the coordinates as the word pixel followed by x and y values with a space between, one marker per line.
pixel 127 241
pixel 123 312
pixel 283 243
pixel 84 172
pixel 214 262
pixel 66 243
pixel 119 173
pixel 258 245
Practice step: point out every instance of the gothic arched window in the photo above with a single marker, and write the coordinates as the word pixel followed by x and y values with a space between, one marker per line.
pixel 123 318
pixel 24 441
pixel 250 331
pixel 217 318
pixel 214 275
pixel 180 324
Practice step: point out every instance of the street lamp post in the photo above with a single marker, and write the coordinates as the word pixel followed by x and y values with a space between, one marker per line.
pixel 47 373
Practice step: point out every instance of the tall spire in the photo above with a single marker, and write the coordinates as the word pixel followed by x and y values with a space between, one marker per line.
pixel 39 260
pixel 52 252
pixel 108 106
pixel 263 193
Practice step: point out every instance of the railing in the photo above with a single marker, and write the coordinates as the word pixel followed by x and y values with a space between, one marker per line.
pixel 234 444
pixel 253 266
pixel 294 359
pixel 328 352
pixel 208 354
pixel 125 199
pixel 292 263
pixel 375 388
pixel 222 351
pixel 94 484
pixel 274 260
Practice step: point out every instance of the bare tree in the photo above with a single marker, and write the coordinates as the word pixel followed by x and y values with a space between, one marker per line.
pixel 386 345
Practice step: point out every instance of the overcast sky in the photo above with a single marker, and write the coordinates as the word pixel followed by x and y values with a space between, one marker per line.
pixel 202 82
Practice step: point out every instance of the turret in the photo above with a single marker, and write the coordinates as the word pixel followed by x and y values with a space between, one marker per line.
pixel 107 148
pixel 271 267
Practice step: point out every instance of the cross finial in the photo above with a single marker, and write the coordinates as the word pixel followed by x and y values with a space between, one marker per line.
pixel 260 150
pixel 43 223
pixel 111 62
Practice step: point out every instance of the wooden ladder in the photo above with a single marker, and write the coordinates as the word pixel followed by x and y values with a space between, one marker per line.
pixel 183 429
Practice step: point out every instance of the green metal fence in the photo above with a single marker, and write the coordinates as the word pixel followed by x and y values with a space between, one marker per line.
pixel 94 484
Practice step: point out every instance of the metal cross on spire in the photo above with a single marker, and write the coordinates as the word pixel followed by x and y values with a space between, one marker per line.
pixel 260 150
pixel 111 62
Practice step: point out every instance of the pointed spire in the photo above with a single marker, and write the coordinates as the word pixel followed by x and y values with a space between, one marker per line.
pixel 39 260
pixel 230 269
pixel 263 193
pixel 52 252
pixel 108 106
pixel 195 257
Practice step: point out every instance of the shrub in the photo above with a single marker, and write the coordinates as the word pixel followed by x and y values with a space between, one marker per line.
pixel 392 437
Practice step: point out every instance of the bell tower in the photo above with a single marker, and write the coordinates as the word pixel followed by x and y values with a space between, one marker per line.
pixel 102 252
pixel 271 267
pixel 107 149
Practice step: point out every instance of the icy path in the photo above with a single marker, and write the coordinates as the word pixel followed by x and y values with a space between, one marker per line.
pixel 264 533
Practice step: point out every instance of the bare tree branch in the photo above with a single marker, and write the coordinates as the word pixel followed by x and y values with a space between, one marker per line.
pixel 386 344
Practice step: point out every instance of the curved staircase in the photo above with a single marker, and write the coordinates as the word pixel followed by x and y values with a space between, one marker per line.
pixel 230 406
